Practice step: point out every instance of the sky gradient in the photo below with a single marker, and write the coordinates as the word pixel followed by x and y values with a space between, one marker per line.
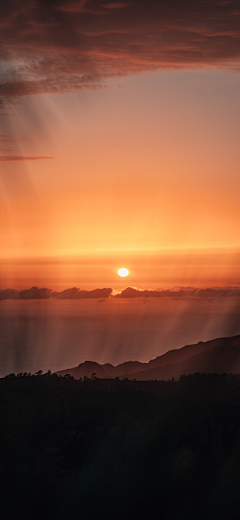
pixel 119 143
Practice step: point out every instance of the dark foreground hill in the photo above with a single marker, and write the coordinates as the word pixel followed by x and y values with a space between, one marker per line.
pixel 116 449
pixel 215 356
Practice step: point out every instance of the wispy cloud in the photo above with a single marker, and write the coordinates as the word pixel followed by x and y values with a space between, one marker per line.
pixel 8 143
pixel 4 138
pixel 54 47
pixel 115 5
pixel 22 158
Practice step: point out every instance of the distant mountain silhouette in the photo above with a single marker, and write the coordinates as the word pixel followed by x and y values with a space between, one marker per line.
pixel 220 355
pixel 85 369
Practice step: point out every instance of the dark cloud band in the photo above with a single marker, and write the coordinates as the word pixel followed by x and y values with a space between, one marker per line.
pixel 6 158
pixel 65 46
pixel 181 293
pixel 42 294
pixel 130 292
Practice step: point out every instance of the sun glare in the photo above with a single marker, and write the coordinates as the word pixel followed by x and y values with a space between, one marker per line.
pixel 123 272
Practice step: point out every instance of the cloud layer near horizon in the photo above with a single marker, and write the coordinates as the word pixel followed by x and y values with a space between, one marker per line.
pixel 130 292
pixel 64 46
pixel 35 293
pixel 181 293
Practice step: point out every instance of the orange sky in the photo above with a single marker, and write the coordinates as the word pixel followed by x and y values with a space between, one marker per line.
pixel 149 163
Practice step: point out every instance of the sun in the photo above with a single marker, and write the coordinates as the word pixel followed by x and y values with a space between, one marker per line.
pixel 123 272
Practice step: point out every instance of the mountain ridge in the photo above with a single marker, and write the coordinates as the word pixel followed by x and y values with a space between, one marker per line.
pixel 172 364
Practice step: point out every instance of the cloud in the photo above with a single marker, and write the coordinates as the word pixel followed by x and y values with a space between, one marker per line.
pixel 181 293
pixel 10 140
pixel 22 158
pixel 26 294
pixel 6 143
pixel 9 294
pixel 69 294
pixel 77 294
pixel 34 294
pixel 4 138
pixel 115 5
pixel 65 46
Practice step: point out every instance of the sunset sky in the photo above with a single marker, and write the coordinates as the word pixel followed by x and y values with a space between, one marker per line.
pixel 119 143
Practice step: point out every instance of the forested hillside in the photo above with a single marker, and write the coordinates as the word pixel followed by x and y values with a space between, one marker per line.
pixel 123 449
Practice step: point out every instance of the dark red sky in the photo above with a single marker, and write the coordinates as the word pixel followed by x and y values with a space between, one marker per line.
pixel 57 46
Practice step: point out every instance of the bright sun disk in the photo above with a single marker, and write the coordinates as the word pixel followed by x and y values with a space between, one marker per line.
pixel 123 272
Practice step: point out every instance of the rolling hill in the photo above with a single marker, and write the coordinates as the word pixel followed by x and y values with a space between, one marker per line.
pixel 221 355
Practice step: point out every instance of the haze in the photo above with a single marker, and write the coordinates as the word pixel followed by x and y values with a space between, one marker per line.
pixel 119 146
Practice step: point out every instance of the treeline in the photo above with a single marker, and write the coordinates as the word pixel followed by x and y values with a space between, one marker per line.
pixel 75 449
